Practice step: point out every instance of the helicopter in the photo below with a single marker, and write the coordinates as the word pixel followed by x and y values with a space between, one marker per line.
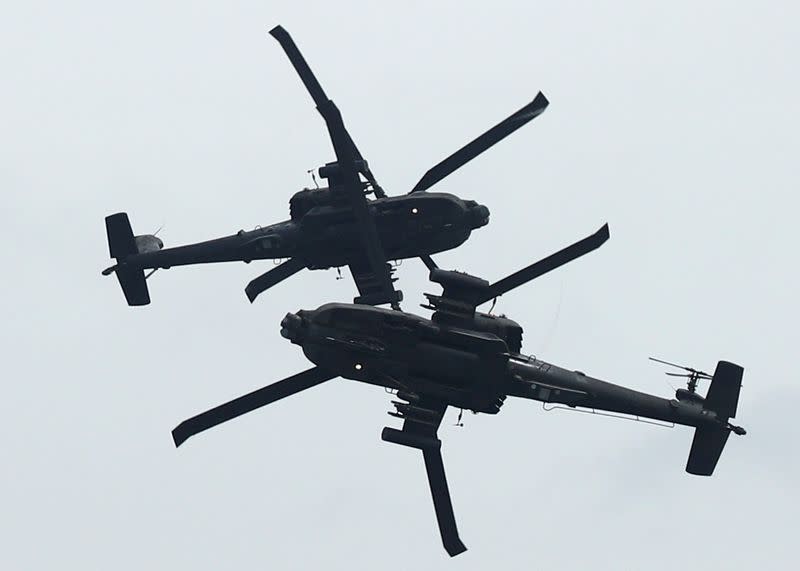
pixel 470 360
pixel 332 226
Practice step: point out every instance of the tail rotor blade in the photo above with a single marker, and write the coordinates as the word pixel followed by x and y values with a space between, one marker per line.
pixel 700 374
pixel 547 264
pixel 483 142
pixel 249 402
pixel 662 361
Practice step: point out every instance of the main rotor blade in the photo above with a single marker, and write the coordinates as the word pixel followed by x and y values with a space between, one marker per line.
pixel 480 144
pixel 339 136
pixel 275 275
pixel 299 63
pixel 429 263
pixel 547 264
pixel 441 501
pixel 249 402
pixel 338 133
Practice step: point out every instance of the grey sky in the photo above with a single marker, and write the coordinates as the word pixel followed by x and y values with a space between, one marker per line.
pixel 676 124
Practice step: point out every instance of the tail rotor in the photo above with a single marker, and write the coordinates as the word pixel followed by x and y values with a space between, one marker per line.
pixel 693 375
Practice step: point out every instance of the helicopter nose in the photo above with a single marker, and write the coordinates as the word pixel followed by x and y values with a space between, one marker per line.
pixel 479 216
pixel 292 327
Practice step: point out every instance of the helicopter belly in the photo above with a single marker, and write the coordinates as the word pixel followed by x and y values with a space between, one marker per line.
pixel 426 223
pixel 407 226
pixel 460 376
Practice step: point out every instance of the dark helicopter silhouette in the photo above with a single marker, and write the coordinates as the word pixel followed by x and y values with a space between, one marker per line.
pixel 470 360
pixel 332 226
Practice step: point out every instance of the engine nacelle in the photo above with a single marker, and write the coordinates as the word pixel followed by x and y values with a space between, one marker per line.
pixel 459 286
pixel 333 171
pixel 506 329
pixel 307 199
pixel 457 280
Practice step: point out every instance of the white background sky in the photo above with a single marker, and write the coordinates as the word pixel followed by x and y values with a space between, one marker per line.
pixel 676 124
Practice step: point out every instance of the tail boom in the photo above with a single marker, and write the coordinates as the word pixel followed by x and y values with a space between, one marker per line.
pixel 710 417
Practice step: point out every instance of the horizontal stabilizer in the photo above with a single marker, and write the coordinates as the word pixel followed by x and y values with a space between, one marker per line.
pixel 121 245
pixel 121 242
pixel 723 394
pixel 722 399
pixel 707 447
pixel 134 286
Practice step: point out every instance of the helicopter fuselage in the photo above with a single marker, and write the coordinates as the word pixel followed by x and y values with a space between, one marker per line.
pixel 325 234
pixel 471 369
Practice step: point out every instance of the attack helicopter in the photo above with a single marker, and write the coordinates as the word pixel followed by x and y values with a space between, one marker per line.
pixel 333 226
pixel 471 360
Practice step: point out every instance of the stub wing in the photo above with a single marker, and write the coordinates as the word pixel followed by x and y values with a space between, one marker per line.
pixel 374 289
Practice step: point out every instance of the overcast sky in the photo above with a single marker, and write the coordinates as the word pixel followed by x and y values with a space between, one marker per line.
pixel 678 125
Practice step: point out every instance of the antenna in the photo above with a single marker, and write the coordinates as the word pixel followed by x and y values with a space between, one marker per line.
pixel 313 177
pixel 693 375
